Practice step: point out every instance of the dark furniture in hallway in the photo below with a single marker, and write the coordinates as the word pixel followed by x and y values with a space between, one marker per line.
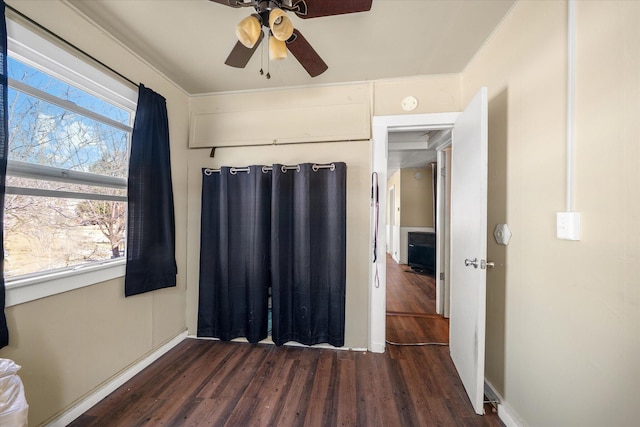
pixel 422 251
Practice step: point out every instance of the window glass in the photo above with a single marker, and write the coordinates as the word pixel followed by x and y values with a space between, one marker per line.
pixel 47 233
pixel 53 222
pixel 39 80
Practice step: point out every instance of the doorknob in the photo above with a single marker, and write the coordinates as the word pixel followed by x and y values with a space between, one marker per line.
pixel 487 264
pixel 473 262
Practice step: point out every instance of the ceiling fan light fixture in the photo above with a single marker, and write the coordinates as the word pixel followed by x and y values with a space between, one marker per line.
pixel 280 24
pixel 277 49
pixel 248 30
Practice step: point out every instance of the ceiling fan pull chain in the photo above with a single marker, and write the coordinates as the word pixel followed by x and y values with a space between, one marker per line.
pixel 261 60
pixel 268 68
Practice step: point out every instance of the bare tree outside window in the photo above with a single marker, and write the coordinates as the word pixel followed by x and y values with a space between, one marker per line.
pixel 51 231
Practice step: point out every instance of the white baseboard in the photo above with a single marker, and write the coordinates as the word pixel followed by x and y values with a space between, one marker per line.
pixel 377 347
pixel 85 404
pixel 506 414
pixel 269 340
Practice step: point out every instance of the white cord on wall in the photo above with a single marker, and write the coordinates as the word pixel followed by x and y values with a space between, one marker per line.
pixel 571 87
pixel 568 222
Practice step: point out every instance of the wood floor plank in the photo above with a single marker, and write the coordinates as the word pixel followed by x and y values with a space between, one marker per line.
pixel 418 387
pixel 209 412
pixel 369 411
pixel 232 375
pixel 408 291
pixel 295 406
pixel 271 398
pixel 258 403
pixel 385 396
pixel 346 413
pixel 320 401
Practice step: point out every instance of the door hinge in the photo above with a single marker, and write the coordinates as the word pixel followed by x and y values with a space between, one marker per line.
pixel 443 172
pixel 441 276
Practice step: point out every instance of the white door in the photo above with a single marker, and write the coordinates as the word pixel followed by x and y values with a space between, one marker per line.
pixel 469 246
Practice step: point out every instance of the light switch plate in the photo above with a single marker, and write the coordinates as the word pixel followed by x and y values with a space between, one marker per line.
pixel 568 225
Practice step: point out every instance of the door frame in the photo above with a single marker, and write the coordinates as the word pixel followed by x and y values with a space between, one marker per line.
pixel 443 238
pixel 391 236
pixel 381 126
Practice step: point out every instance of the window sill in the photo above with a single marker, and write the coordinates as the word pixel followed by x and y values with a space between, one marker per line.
pixel 20 291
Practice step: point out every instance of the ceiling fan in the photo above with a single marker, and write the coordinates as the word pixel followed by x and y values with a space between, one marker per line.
pixel 272 14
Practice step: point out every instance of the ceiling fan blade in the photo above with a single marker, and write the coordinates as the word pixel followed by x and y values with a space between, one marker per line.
pixel 306 55
pixel 240 55
pixel 318 8
pixel 232 3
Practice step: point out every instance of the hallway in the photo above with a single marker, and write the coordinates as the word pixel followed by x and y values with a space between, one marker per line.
pixel 411 307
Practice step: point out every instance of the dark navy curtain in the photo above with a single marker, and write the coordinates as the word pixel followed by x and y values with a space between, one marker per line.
pixel 4 153
pixel 308 252
pixel 151 260
pixel 285 229
pixel 234 254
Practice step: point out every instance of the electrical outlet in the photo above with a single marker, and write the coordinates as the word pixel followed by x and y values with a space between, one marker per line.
pixel 568 225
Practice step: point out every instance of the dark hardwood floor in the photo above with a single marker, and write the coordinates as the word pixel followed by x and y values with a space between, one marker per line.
pixel 213 383
pixel 409 291
pixel 411 307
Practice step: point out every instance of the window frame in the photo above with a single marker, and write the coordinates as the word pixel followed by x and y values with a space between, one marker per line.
pixel 39 52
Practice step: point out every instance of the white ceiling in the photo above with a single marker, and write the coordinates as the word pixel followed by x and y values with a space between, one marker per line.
pixel 410 149
pixel 189 40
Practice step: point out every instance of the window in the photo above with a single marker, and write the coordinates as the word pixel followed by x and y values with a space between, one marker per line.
pixel 69 133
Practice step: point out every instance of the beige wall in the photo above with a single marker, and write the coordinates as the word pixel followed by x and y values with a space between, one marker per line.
pixel 416 199
pixel 356 154
pixel 413 198
pixel 313 114
pixel 563 317
pixel 71 343
pixel 435 94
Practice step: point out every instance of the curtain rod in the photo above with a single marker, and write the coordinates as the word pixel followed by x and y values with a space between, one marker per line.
pixel 265 169
pixel 71 45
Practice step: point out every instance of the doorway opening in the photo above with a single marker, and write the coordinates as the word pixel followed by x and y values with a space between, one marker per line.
pixel 395 128
pixel 415 243
pixel 468 233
